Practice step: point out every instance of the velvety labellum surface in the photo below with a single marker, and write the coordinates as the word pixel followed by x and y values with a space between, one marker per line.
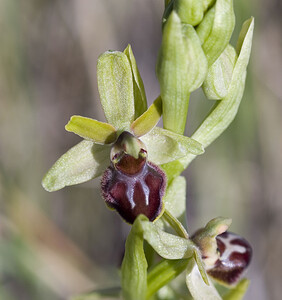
pixel 235 255
pixel 134 193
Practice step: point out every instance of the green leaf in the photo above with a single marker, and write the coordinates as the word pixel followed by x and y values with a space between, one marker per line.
pixel 109 293
pixel 238 292
pixel 218 33
pixel 140 101
pixel 219 75
pixel 90 129
pixel 81 163
pixel 149 119
pixel 134 265
pixel 164 146
pixel 115 84
pixel 163 273
pixel 190 11
pixel 172 73
pixel 224 111
pixel 197 287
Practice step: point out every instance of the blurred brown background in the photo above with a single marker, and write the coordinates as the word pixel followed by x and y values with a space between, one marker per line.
pixel 53 245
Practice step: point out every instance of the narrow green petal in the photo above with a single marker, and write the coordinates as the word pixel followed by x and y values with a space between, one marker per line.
pixel 134 265
pixel 201 266
pixel 149 119
pixel 224 111
pixel 90 129
pixel 175 224
pixel 81 163
pixel 221 30
pixel 238 292
pixel 197 287
pixel 115 84
pixel 138 86
pixel 164 146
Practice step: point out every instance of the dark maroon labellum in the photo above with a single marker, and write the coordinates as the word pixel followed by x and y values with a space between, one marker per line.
pixel 133 186
pixel 235 256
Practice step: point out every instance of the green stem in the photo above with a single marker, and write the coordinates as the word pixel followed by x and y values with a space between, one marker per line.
pixel 162 273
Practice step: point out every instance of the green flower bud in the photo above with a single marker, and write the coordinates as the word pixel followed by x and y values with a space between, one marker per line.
pixel 190 11
pixel 226 255
pixel 216 29
pixel 181 68
pixel 219 75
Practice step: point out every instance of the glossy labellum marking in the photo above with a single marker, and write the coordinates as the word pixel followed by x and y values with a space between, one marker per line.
pixel 235 254
pixel 132 185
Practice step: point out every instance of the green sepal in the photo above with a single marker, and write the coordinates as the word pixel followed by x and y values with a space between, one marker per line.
pixel 167 245
pixel 217 33
pixel 238 292
pixel 175 199
pixel 172 73
pixel 190 11
pixel 164 146
pixel 181 68
pixel 93 130
pixel 172 169
pixel 175 205
pixel 162 273
pixel 108 294
pixel 140 101
pixel 81 163
pixel 224 111
pixel 219 75
pixel 197 287
pixel 115 85
pixel 134 264
pixel 149 119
